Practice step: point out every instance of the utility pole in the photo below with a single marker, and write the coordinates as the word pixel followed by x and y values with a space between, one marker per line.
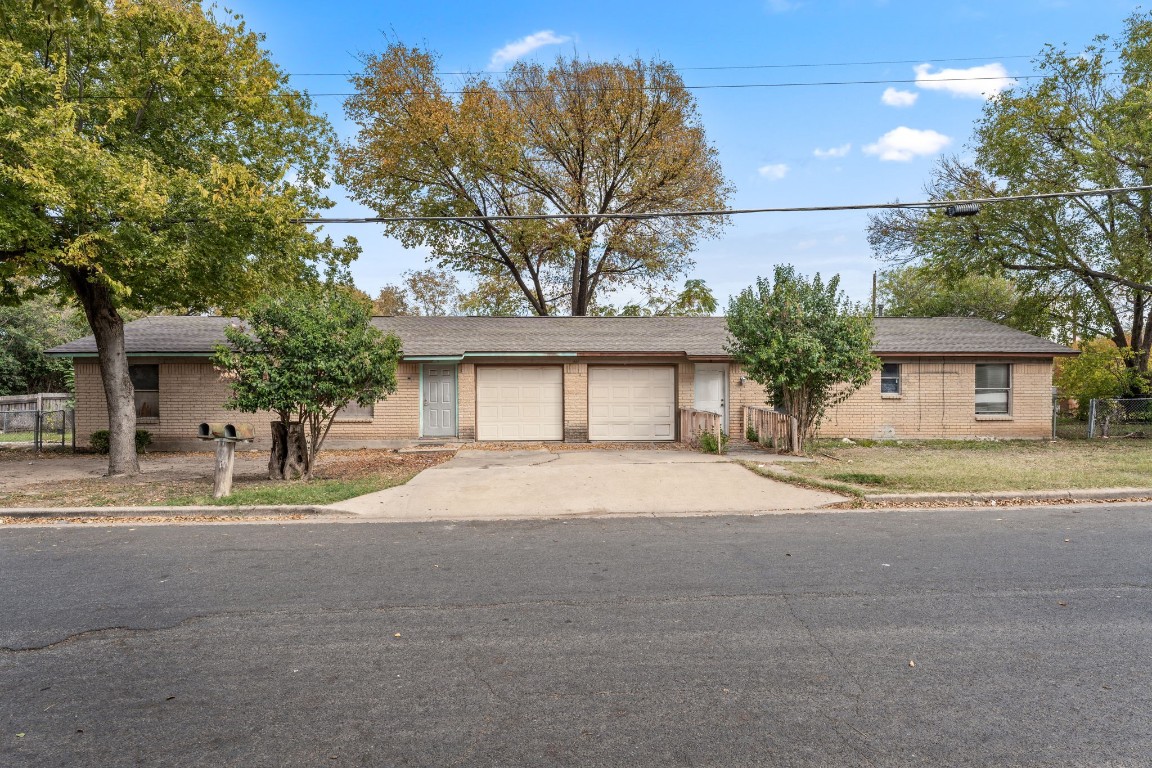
pixel 873 293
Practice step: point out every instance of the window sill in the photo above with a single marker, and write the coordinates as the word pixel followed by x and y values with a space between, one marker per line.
pixel 367 420
pixel 147 419
pixel 993 417
pixel 890 395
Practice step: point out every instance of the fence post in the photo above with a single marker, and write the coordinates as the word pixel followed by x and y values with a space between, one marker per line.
pixel 1055 404
pixel 72 418
pixel 1092 418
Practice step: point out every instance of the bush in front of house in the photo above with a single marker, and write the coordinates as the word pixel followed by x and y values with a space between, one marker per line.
pixel 707 442
pixel 100 441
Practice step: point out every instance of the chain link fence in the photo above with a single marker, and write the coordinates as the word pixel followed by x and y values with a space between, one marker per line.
pixel 37 421
pixel 1120 417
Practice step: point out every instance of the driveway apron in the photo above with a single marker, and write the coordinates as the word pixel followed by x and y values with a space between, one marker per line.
pixel 480 484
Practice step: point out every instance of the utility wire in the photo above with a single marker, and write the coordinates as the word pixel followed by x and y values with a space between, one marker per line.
pixel 922 205
pixel 743 66
pixel 652 88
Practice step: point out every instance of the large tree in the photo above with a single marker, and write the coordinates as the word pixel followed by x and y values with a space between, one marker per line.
pixel 1082 125
pixel 151 155
pixel 578 137
pixel 26 330
pixel 803 341
pixel 921 291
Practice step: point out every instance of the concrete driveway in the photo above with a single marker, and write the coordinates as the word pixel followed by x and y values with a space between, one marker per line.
pixel 479 484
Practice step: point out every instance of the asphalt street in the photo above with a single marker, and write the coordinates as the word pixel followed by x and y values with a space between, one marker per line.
pixel 926 638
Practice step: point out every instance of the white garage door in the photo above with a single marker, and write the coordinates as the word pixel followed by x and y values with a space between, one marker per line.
pixel 520 403
pixel 633 403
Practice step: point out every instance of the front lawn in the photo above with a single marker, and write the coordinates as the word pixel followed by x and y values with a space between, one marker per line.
pixel 186 479
pixel 977 466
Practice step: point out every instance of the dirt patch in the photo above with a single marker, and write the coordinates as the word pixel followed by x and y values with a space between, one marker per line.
pixel 78 481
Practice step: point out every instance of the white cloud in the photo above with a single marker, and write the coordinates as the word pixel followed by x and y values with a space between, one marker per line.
pixel 897 98
pixel 840 151
pixel 902 144
pixel 524 46
pixel 774 171
pixel 986 81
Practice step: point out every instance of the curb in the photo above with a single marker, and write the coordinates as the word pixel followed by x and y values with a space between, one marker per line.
pixel 1081 494
pixel 114 513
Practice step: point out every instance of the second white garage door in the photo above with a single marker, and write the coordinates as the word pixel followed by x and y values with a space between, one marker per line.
pixel 519 403
pixel 631 403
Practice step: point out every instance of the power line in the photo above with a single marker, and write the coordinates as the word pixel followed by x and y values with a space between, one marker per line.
pixel 728 67
pixel 651 88
pixel 922 205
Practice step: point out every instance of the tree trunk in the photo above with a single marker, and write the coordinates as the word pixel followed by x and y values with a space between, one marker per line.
pixel 108 328
pixel 289 457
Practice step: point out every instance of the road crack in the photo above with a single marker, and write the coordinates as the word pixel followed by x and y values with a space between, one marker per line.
pixel 88 633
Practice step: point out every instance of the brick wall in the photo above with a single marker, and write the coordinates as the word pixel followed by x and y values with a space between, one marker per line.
pixel 466 402
pixel 191 392
pixel 575 402
pixel 937 400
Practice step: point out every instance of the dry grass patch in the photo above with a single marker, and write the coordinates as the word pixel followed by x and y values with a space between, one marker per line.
pixel 982 466
pixel 186 479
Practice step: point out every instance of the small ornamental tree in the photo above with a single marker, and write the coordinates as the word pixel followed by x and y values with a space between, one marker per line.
pixel 803 341
pixel 1101 370
pixel 304 356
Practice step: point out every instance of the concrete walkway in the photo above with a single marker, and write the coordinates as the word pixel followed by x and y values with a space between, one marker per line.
pixel 479 484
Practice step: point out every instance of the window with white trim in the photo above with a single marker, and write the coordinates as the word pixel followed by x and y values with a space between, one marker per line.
pixel 890 379
pixel 993 388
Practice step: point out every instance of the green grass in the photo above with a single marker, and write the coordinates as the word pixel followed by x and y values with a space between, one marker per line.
pixel 51 438
pixel 977 466
pixel 860 478
pixel 804 482
pixel 275 493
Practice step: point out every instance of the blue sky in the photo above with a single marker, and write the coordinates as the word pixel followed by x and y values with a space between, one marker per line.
pixel 779 146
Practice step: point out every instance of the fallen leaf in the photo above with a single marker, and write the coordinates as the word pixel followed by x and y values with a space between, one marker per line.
pixel 1062 605
pixel 19 735
pixel 396 635
pixel 911 663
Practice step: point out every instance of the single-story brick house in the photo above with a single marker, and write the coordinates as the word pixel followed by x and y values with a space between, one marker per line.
pixel 580 379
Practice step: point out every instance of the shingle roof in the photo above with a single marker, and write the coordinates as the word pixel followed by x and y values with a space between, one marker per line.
pixel 692 336
pixel 957 335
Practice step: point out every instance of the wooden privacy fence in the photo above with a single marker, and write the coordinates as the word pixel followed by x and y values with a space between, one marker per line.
pixel 778 430
pixel 693 422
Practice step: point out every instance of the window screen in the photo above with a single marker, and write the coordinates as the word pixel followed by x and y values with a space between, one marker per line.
pixel 146 383
pixel 993 385
pixel 890 379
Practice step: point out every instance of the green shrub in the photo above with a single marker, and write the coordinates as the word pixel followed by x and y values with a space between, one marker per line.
pixel 750 434
pixel 707 442
pixel 101 440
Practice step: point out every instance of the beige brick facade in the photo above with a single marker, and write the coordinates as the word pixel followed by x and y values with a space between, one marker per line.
pixel 937 400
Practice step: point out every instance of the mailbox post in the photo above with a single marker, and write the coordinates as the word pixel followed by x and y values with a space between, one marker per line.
pixel 226 437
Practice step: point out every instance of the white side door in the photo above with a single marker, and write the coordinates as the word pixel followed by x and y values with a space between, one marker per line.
pixel 712 390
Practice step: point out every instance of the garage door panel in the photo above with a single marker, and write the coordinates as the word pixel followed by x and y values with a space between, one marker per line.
pixel 631 403
pixel 519 403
